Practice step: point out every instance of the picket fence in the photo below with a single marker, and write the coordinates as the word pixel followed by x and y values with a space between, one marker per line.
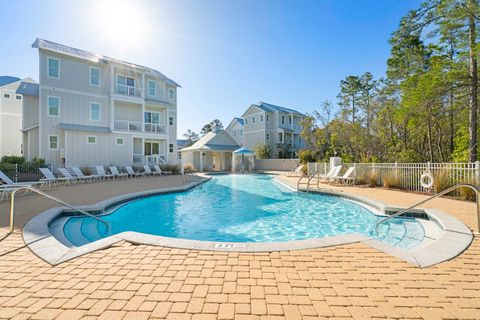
pixel 408 174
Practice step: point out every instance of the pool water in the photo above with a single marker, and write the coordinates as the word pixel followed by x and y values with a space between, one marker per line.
pixel 244 208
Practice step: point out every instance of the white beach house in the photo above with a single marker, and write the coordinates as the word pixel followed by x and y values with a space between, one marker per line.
pixel 91 109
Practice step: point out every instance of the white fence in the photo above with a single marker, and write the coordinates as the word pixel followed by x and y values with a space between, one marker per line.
pixel 276 164
pixel 408 174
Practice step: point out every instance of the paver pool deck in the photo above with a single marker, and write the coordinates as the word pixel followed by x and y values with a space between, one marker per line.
pixel 129 281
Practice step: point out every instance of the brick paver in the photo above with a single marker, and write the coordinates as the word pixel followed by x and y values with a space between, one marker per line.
pixel 129 281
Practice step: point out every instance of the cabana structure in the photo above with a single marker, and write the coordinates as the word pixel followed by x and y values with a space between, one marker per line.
pixel 243 160
pixel 213 152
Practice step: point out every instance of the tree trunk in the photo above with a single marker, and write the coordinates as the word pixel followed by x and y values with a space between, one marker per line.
pixel 472 152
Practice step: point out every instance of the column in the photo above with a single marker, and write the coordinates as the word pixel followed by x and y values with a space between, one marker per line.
pixel 201 160
pixel 143 116
pixel 222 161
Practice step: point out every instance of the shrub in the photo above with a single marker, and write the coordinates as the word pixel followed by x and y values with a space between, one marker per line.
pixel 441 181
pixel 307 156
pixel 188 168
pixel 372 178
pixel 263 151
pixel 12 160
pixel 304 169
pixel 173 168
pixel 391 180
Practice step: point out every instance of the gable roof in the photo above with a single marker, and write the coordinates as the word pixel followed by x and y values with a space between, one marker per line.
pixel 93 57
pixel 4 80
pixel 274 108
pixel 219 140
pixel 235 120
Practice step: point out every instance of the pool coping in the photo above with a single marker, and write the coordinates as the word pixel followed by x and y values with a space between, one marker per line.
pixel 456 237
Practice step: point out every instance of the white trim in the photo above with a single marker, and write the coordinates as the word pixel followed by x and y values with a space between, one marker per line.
pixel 171 99
pixel 48 106
pixel 119 144
pixel 155 88
pixel 10 114
pixel 49 142
pixel 101 96
pixel 99 77
pixel 30 128
pixel 88 139
pixel 99 111
pixel 254 131
pixel 48 67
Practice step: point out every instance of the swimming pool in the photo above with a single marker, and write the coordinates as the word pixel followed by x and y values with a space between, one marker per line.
pixel 243 208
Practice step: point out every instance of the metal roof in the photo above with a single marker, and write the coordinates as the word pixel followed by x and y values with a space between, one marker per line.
pixel 81 127
pixel 4 80
pixel 28 89
pixel 240 120
pixel 93 57
pixel 274 108
pixel 157 101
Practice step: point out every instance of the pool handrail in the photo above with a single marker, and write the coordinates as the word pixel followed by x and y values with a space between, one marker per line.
pixel 46 195
pixel 444 192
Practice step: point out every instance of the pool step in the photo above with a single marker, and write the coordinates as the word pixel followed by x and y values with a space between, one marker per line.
pixel 73 229
pixel 89 229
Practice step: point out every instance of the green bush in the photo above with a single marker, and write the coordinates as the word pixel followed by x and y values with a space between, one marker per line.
pixel 173 168
pixel 263 151
pixel 305 156
pixel 12 160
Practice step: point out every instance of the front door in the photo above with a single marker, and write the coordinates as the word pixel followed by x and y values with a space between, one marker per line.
pixel 152 151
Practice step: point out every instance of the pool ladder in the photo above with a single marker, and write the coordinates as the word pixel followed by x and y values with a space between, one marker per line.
pixel 46 195
pixel 310 178
pixel 444 192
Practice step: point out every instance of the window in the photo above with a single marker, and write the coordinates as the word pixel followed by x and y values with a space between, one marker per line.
pixel 152 117
pixel 290 120
pixel 53 142
pixel 171 94
pixel 268 118
pixel 94 76
pixel 280 137
pixel 53 106
pixel 267 136
pixel 6 96
pixel 170 147
pixel 253 119
pixel 152 88
pixel 94 111
pixel 92 140
pixel 18 97
pixel 170 121
pixel 126 85
pixel 119 141
pixel 53 68
pixel 261 118
pixel 283 119
pixel 246 121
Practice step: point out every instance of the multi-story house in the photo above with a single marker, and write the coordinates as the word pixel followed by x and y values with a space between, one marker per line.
pixel 235 130
pixel 11 116
pixel 276 126
pixel 93 109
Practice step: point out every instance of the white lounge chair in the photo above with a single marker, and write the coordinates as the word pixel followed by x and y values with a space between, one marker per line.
pixel 80 174
pixel 117 174
pixel 160 171
pixel 9 185
pixel 102 174
pixel 68 175
pixel 347 176
pixel 331 174
pixel 49 177
pixel 132 173
pixel 298 172
pixel 149 171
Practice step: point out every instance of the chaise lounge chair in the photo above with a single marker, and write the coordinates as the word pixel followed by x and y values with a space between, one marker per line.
pixel 297 173
pixel 9 185
pixel 132 173
pixel 80 174
pixel 160 171
pixel 68 175
pixel 347 176
pixel 331 174
pixel 149 172
pixel 50 178
pixel 102 174
pixel 117 174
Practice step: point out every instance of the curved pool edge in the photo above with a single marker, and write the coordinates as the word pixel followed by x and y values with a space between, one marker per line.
pixel 456 237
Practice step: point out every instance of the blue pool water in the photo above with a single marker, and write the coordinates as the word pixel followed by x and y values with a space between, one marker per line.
pixel 244 208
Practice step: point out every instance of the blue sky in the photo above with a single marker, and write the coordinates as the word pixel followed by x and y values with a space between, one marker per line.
pixel 225 54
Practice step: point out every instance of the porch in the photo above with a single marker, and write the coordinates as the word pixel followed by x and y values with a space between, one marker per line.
pixel 150 151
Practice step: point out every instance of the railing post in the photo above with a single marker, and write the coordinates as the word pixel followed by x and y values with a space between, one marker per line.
pixel 477 173
pixel 15 177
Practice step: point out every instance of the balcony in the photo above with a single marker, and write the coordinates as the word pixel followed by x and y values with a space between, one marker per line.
pixel 126 125
pixel 129 91
pixel 155 128
pixel 295 127
pixel 150 160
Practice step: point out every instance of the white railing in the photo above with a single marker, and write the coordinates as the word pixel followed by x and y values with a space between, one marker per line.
pixel 155 128
pixel 126 90
pixel 127 125
pixel 150 160
pixel 408 174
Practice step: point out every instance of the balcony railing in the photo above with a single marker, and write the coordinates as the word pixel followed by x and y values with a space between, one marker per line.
pixel 289 126
pixel 126 90
pixel 150 160
pixel 155 128
pixel 126 125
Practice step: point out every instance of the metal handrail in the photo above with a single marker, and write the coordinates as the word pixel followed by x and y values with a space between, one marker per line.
pixel 444 192
pixel 300 179
pixel 46 195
